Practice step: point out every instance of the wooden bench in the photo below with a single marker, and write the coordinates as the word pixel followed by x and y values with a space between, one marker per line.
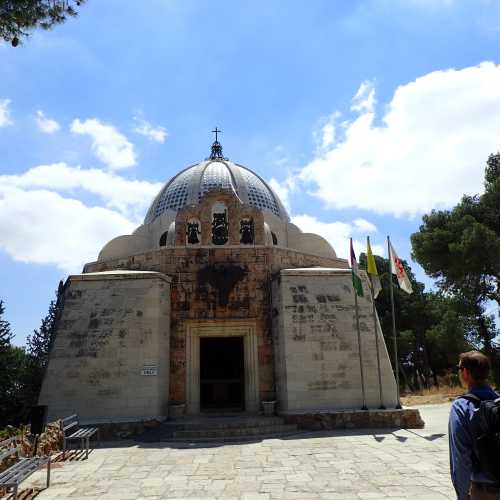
pixel 82 434
pixel 19 471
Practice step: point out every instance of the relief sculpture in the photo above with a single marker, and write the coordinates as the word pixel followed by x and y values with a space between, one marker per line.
pixel 219 229
pixel 193 232
pixel 246 231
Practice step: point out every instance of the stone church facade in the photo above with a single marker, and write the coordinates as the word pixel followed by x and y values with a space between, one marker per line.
pixel 215 304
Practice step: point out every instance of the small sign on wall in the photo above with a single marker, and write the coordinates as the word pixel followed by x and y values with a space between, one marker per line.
pixel 149 371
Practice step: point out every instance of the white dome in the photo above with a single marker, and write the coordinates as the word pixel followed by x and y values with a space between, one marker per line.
pixel 189 185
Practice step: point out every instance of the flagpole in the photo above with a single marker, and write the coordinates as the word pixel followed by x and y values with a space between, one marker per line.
pixel 375 329
pixel 356 308
pixel 394 338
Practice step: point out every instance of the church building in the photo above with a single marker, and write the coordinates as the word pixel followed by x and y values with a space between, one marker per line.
pixel 217 303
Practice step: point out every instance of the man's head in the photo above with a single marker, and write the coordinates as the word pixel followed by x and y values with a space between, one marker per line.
pixel 473 368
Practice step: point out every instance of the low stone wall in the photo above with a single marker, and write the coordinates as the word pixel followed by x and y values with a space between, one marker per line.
pixel 357 419
pixel 118 431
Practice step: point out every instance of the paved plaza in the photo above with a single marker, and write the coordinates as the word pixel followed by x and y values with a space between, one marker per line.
pixel 358 464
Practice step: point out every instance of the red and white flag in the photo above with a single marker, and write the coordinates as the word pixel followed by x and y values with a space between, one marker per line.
pixel 398 269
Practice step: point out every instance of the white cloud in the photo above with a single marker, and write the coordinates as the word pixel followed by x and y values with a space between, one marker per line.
pixel 337 234
pixel 157 134
pixel 130 197
pixel 427 150
pixel 283 190
pixel 279 156
pixel 328 136
pixel 108 144
pixel 42 227
pixel 363 225
pixel 5 113
pixel 42 222
pixel 364 99
pixel 46 125
pixel 325 133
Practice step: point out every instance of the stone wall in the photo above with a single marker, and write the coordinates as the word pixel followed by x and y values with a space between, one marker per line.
pixel 316 344
pixel 110 357
pixel 407 418
pixel 196 296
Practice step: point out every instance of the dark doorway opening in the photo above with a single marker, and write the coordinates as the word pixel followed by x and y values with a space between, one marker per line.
pixel 222 381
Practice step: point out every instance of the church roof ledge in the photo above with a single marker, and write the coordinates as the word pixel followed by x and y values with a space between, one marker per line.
pixel 315 271
pixel 119 274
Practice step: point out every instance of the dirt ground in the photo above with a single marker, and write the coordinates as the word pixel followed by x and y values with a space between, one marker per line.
pixel 435 395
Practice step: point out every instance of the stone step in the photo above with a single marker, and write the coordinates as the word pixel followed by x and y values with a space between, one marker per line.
pixel 246 431
pixel 209 423
pixel 219 428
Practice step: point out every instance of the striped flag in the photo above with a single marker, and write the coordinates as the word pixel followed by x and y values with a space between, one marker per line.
pixel 372 269
pixel 356 280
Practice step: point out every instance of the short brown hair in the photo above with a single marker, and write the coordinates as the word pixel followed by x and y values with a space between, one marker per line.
pixel 477 363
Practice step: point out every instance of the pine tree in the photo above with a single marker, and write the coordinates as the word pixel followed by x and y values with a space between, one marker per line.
pixel 39 345
pixel 18 17
pixel 12 372
pixel 40 341
pixel 5 332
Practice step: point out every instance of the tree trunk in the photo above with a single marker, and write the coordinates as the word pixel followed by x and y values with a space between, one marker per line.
pixel 484 333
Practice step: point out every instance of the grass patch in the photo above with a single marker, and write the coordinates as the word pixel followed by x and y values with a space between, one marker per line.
pixel 432 395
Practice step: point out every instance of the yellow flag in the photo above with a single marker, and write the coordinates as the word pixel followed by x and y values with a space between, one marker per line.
pixel 372 269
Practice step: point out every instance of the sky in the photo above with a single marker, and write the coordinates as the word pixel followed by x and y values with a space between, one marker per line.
pixel 362 115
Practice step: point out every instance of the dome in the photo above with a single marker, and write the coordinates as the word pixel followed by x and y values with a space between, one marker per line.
pixel 189 185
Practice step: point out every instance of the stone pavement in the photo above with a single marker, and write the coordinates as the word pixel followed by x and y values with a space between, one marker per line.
pixel 343 465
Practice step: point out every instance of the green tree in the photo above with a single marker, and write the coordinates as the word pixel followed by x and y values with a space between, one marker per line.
pixel 19 17
pixel 5 332
pixel 460 248
pixel 447 335
pixel 428 323
pixel 39 345
pixel 12 374
pixel 22 370
pixel 13 396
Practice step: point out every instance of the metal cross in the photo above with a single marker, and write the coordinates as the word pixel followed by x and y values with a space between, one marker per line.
pixel 216 131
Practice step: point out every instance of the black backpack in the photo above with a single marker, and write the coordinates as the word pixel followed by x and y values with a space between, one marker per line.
pixel 485 426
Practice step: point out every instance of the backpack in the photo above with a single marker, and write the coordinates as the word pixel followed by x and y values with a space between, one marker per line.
pixel 485 427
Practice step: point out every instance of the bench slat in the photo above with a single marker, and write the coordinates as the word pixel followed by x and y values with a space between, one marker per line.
pixel 82 433
pixel 71 417
pixel 21 470
pixel 76 435
pixel 90 432
pixel 9 452
pixel 66 427
pixel 17 469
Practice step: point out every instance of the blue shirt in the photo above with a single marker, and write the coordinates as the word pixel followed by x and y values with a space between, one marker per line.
pixel 463 451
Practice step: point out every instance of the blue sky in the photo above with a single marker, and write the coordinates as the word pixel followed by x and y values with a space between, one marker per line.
pixel 363 115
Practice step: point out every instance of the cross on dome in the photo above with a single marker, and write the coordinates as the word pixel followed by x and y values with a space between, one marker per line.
pixel 216 131
pixel 216 153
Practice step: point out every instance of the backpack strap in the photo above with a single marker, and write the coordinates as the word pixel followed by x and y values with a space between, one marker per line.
pixel 472 398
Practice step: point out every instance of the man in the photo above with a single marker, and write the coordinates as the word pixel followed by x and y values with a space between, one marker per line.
pixel 469 481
